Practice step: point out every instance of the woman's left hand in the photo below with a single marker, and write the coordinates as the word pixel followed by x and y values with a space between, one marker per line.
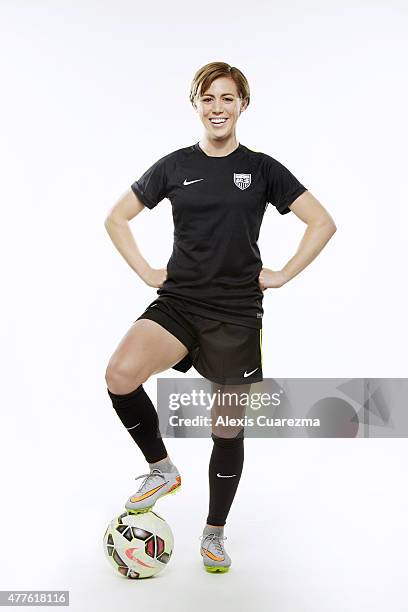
pixel 271 279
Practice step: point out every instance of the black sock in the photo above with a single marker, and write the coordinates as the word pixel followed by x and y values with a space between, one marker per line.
pixel 225 469
pixel 139 416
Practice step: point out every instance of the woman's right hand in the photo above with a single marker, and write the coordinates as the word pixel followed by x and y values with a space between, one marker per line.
pixel 155 277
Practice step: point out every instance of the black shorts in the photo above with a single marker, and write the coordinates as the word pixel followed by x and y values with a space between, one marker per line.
pixel 224 353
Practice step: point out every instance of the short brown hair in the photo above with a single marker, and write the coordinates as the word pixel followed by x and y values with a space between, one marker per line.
pixel 207 74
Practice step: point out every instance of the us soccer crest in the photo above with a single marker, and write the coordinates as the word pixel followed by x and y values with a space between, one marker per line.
pixel 242 180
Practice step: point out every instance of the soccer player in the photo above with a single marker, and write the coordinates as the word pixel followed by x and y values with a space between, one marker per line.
pixel 208 313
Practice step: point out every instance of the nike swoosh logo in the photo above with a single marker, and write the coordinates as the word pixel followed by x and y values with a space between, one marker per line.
pixel 129 428
pixel 129 552
pixel 249 373
pixel 228 476
pixel 148 494
pixel 186 182
pixel 210 555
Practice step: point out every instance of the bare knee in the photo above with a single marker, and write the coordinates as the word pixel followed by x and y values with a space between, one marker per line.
pixel 232 433
pixel 228 413
pixel 226 432
pixel 121 379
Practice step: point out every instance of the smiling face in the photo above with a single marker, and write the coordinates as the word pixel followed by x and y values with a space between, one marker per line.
pixel 219 108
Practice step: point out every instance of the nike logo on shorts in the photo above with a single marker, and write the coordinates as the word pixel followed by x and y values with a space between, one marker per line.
pixel 186 182
pixel 249 373
pixel 227 476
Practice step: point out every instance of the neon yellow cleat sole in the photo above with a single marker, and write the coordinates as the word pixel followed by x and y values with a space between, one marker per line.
pixel 215 569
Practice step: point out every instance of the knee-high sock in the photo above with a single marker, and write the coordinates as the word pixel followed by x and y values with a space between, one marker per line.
pixel 139 416
pixel 225 469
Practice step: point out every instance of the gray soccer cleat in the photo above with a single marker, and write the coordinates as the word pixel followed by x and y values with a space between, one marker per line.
pixel 155 485
pixel 215 558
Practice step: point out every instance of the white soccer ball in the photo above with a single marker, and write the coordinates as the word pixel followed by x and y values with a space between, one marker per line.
pixel 138 545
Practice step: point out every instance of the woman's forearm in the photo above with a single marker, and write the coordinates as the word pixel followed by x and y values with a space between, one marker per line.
pixel 314 239
pixel 123 239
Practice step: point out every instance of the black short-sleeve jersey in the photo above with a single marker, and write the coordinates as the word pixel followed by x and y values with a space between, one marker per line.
pixel 218 205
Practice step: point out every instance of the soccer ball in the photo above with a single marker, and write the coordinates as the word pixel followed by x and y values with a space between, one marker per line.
pixel 138 545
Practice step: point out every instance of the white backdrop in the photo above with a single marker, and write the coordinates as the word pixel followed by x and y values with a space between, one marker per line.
pixel 92 94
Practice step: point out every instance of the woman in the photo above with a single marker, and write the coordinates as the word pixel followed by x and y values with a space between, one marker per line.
pixel 208 312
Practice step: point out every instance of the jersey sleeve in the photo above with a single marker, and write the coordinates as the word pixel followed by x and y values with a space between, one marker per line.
pixel 282 186
pixel 151 187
